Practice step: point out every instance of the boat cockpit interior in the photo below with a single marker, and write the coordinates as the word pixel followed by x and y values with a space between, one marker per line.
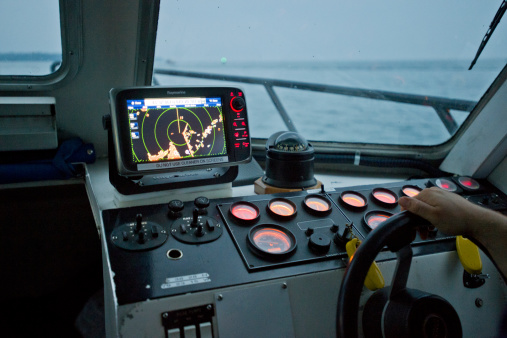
pixel 225 168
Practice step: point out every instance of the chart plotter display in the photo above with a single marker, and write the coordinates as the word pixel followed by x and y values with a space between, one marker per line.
pixel 157 129
pixel 185 131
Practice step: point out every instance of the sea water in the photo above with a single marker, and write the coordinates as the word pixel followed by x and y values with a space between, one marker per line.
pixel 340 118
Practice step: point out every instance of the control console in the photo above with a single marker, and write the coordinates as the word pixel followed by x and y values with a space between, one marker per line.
pixel 181 248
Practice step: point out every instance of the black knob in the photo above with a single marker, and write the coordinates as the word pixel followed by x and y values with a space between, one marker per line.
pixel 238 103
pixel 319 243
pixel 201 202
pixel 175 208
pixel 309 231
pixel 175 205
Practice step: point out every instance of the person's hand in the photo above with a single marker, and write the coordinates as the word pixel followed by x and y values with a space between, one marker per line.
pixel 449 212
pixel 454 215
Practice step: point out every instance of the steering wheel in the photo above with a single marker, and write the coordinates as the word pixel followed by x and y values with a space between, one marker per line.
pixel 394 311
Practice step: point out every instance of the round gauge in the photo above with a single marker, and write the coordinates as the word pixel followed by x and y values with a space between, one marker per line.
pixel 317 205
pixel 446 184
pixel 282 207
pixel 410 190
pixel 245 212
pixel 272 240
pixel 353 200
pixel 373 218
pixel 385 197
pixel 468 183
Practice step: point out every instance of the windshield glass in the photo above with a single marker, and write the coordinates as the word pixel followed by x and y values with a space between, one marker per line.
pixel 376 72
pixel 30 37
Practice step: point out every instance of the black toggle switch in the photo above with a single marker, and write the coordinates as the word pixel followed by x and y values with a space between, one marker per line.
pixel 200 231
pixel 139 223
pixel 154 231
pixel 195 217
pixel 183 228
pixel 141 238
pixel 210 225
pixel 309 231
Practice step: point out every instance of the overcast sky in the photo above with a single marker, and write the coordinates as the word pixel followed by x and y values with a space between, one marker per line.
pixel 275 30
pixel 328 30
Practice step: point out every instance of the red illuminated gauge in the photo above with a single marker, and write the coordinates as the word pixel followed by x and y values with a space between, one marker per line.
pixel 468 183
pixel 317 205
pixel 373 218
pixel 410 190
pixel 353 200
pixel 282 208
pixel 446 184
pixel 272 240
pixel 245 212
pixel 385 197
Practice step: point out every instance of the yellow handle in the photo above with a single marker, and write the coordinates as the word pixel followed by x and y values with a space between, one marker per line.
pixel 374 279
pixel 469 256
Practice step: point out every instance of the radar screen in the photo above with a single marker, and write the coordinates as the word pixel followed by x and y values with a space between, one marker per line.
pixel 176 132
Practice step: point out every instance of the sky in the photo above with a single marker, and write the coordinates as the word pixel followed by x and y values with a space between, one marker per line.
pixel 267 30
pixel 280 30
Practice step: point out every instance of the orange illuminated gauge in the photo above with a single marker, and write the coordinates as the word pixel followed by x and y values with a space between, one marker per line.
pixel 317 205
pixel 373 218
pixel 353 200
pixel 245 212
pixel 446 184
pixel 272 240
pixel 410 190
pixel 385 197
pixel 468 183
pixel 282 208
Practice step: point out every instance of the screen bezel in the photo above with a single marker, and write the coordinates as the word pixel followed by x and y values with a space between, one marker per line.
pixel 121 126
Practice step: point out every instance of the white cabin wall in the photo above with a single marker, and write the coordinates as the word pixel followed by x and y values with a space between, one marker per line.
pixel 108 60
pixel 499 176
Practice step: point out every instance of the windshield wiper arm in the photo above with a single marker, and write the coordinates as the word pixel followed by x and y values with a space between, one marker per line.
pixel 492 27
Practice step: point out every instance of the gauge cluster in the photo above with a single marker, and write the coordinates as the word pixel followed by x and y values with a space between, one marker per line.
pixel 179 247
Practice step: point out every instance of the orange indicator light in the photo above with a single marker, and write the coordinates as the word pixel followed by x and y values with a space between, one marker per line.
pixel 272 240
pixel 317 204
pixel 410 191
pixel 354 200
pixel 384 197
pixel 282 207
pixel 245 211
pixel 375 220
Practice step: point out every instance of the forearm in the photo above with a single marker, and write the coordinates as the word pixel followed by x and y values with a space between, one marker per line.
pixel 490 234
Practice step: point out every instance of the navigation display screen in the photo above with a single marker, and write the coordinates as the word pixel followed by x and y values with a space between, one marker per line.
pixel 167 129
pixel 176 132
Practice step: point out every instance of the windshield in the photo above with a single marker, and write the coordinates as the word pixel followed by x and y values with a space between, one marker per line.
pixel 372 72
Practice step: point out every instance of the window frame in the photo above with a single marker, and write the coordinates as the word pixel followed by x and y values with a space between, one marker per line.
pixel 71 27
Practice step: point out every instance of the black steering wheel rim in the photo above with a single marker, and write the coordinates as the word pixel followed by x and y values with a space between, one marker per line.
pixel 396 232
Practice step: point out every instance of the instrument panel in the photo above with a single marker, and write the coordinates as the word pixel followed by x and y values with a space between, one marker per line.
pixel 180 247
